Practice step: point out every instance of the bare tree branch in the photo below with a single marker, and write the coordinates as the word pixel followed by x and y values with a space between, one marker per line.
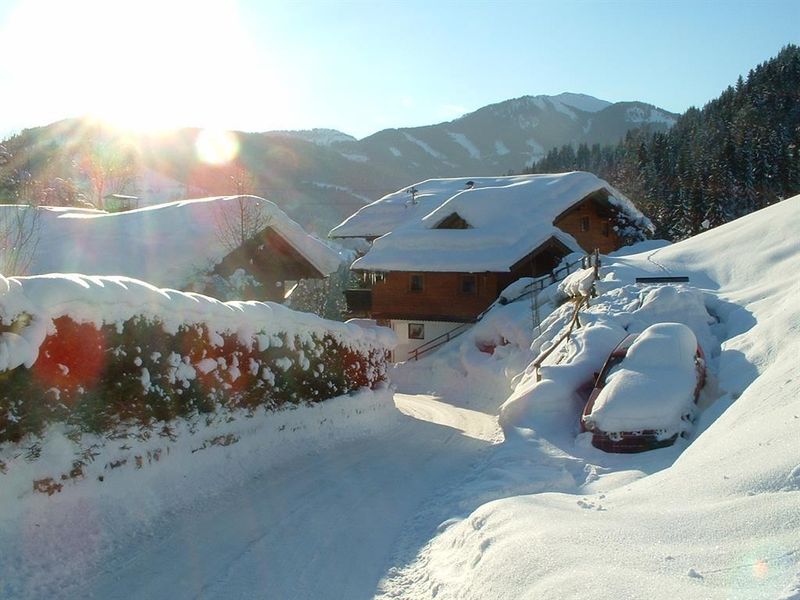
pixel 250 217
pixel 20 228
pixel 238 224
pixel 110 168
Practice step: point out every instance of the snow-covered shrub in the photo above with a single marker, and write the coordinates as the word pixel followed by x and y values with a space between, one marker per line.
pixel 115 358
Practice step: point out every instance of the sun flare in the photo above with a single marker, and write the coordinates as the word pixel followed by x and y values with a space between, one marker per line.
pixel 216 147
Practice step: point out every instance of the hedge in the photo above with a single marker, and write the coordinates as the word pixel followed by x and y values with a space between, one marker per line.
pixel 136 374
pixel 115 356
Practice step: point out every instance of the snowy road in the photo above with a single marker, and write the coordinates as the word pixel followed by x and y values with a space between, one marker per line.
pixel 320 526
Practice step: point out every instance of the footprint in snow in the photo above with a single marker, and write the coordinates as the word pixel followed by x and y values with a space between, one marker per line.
pixel 589 505
pixel 694 574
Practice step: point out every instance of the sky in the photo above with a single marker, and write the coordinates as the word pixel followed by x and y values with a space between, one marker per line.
pixel 363 66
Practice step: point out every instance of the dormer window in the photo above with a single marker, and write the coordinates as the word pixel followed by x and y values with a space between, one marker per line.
pixel 453 221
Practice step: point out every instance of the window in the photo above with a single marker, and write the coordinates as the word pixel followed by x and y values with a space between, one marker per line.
pixel 584 223
pixel 416 282
pixel 416 331
pixel 453 221
pixel 468 285
pixel 605 228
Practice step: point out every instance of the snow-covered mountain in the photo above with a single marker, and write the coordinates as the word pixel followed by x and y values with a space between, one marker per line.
pixel 582 102
pixel 504 136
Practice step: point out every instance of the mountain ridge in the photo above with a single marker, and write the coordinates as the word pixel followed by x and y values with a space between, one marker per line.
pixel 321 176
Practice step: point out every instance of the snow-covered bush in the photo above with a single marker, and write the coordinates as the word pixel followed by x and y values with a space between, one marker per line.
pixel 103 355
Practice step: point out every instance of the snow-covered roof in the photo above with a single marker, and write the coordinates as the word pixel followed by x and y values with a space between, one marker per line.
pixel 391 211
pixel 507 218
pixel 165 245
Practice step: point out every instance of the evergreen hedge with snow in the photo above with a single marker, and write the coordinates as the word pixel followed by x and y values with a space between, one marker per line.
pixel 110 355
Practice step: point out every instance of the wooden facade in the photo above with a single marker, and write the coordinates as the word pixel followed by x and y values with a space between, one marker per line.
pixel 591 223
pixel 459 297
pixel 271 261
pixel 441 297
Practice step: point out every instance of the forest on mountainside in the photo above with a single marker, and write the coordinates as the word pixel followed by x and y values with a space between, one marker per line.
pixel 739 153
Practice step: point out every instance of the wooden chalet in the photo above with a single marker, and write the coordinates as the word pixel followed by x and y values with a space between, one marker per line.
pixel 184 244
pixel 120 202
pixel 446 267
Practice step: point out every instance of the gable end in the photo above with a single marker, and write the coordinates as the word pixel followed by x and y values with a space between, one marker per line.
pixel 271 259
pixel 600 200
pixel 541 260
pixel 591 222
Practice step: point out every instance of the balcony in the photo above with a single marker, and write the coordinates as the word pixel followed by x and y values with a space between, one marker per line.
pixel 359 302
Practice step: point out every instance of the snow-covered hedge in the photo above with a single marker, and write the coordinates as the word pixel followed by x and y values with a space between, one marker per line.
pixel 108 354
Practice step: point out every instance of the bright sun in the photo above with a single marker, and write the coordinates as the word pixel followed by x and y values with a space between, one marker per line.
pixel 141 65
pixel 167 65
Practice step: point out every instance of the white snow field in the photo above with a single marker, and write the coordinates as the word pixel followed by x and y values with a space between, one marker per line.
pixel 474 480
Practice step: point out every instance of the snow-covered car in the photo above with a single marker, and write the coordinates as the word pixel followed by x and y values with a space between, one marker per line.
pixel 646 393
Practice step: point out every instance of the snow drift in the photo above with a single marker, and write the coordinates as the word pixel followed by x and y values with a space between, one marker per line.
pixel 653 387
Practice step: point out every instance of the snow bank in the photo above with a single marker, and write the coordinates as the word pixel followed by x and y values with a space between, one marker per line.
pixel 577 284
pixel 120 358
pixel 550 398
pixel 114 300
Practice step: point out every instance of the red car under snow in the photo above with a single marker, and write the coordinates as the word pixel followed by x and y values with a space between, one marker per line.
pixel 646 394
